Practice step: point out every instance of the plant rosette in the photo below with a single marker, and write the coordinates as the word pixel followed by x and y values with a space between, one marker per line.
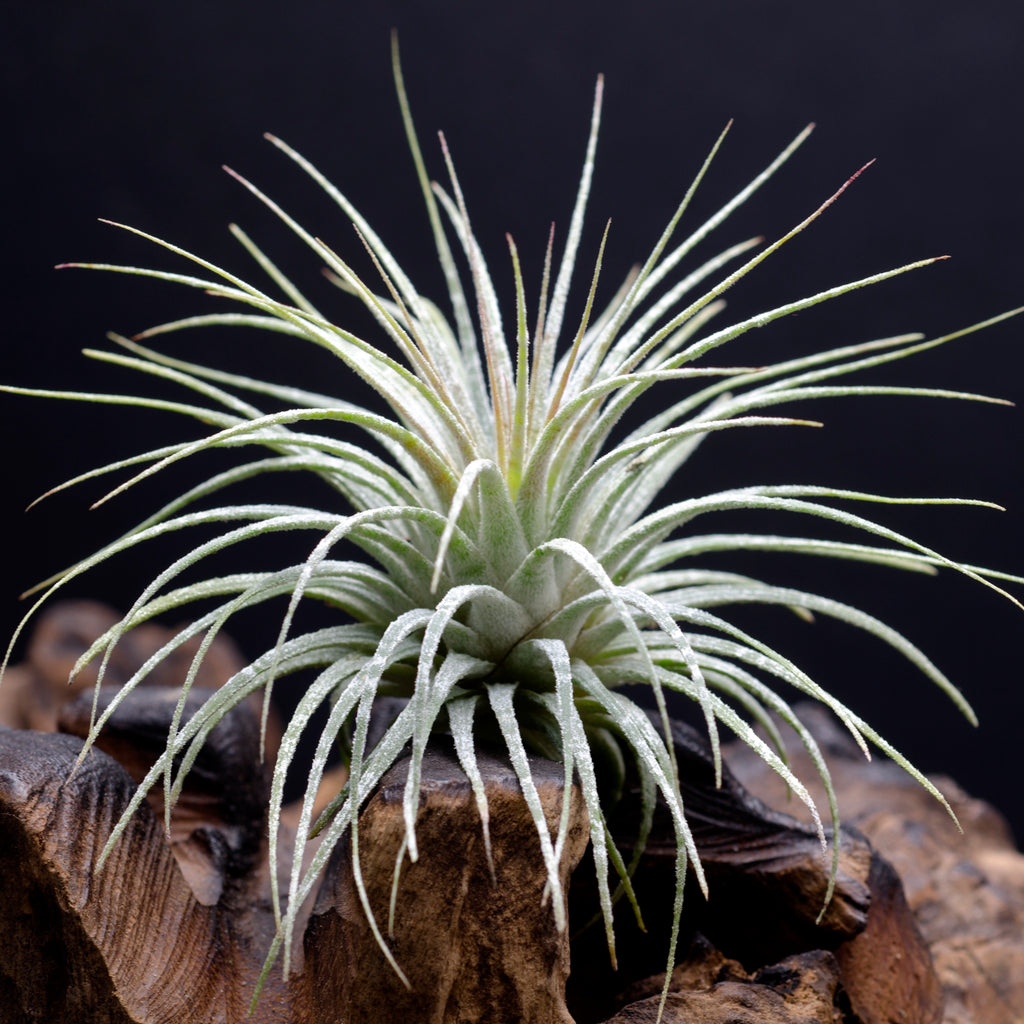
pixel 519 569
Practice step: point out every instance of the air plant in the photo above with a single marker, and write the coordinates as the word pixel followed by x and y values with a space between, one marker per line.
pixel 518 570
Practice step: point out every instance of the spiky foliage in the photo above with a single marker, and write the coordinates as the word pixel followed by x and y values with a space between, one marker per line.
pixel 519 572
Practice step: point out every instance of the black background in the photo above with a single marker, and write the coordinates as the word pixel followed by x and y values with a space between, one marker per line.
pixel 127 111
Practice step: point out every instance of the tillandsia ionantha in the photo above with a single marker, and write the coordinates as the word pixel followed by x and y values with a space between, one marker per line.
pixel 519 570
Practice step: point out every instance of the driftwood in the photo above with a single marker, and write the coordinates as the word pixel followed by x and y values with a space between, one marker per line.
pixel 966 890
pixel 33 693
pixel 474 949
pixel 768 883
pixel 175 927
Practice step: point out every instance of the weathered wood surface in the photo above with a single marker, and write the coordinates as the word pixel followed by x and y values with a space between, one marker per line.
pixel 144 940
pixel 966 890
pixel 132 942
pixel 709 988
pixel 175 927
pixel 473 948
pixel 768 881
pixel 33 693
